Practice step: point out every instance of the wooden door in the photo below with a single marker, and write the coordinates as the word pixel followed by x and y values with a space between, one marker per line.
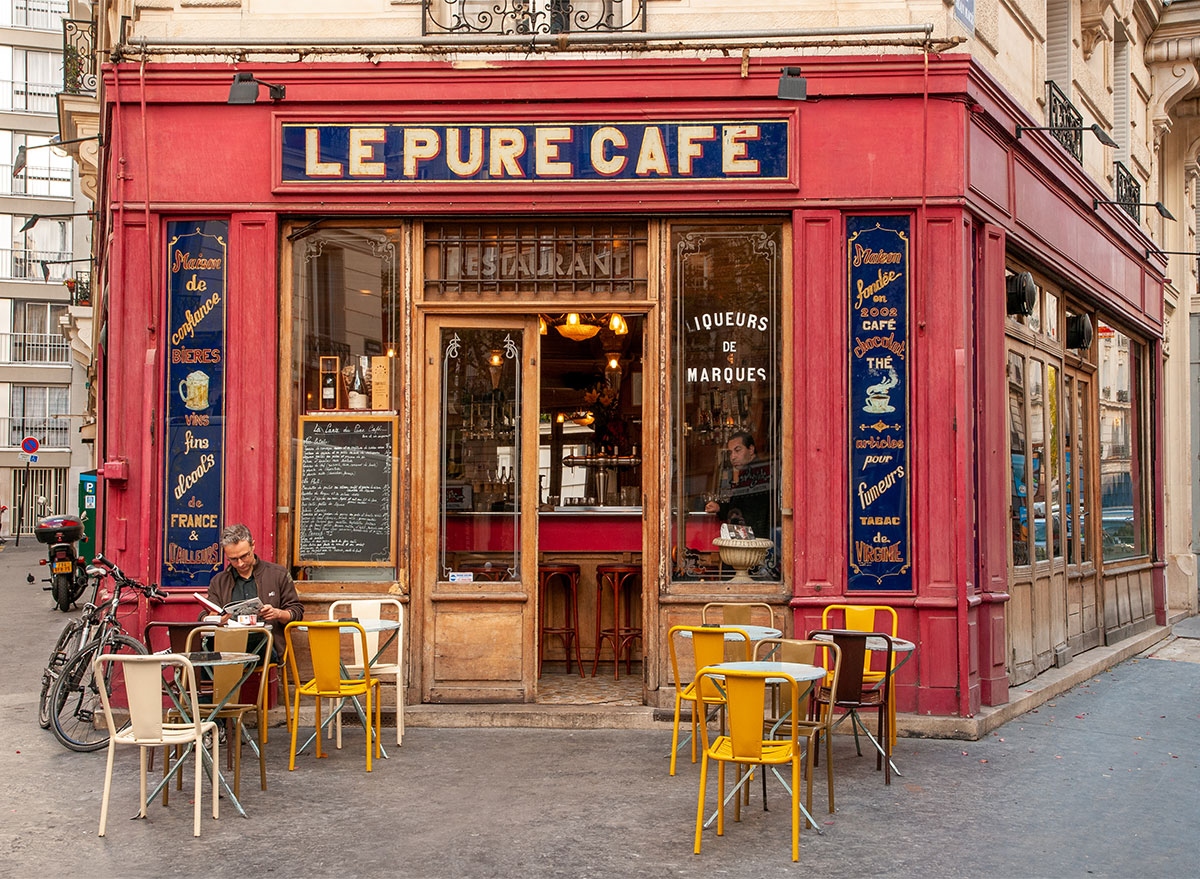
pixel 475 581
pixel 1084 618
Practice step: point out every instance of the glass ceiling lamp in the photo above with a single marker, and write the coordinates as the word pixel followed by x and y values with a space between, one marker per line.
pixel 575 329
pixel 617 324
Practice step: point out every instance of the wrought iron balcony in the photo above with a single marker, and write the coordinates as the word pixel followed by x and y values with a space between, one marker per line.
pixel 80 288
pixel 1128 191
pixel 531 17
pixel 1064 121
pixel 79 57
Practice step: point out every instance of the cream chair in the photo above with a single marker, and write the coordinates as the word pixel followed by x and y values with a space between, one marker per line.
pixel 143 677
pixel 366 610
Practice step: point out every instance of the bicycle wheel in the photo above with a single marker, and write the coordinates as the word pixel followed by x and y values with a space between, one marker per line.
pixel 76 713
pixel 66 645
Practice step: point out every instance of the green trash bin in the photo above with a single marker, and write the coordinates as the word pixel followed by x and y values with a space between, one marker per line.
pixel 87 512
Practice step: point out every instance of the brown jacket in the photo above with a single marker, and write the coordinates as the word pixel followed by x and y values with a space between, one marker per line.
pixel 275 587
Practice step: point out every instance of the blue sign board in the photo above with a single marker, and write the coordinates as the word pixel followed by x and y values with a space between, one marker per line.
pixel 197 259
pixel 879 376
pixel 681 152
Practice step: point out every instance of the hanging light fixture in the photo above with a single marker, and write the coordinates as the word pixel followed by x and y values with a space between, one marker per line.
pixel 612 368
pixel 583 418
pixel 543 328
pixel 617 324
pixel 576 329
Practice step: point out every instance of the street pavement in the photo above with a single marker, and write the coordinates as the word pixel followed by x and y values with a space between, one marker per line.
pixel 1101 781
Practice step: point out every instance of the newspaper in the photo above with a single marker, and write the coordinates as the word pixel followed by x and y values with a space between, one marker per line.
pixel 249 607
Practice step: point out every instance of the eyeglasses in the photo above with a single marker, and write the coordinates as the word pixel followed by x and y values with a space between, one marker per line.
pixel 244 557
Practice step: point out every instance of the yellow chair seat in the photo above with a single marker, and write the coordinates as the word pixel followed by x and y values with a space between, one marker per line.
pixel 773 751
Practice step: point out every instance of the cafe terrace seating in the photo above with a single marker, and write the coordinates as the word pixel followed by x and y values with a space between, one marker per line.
pixel 868 618
pixel 364 609
pixel 746 693
pixel 143 677
pixel 708 648
pixel 324 644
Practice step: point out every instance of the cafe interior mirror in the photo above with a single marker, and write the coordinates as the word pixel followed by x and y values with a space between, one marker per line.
pixel 1079 331
pixel 1022 293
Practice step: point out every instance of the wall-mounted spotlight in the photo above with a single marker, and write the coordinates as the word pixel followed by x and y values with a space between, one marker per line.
pixel 792 85
pixel 19 161
pixel 1094 128
pixel 46 263
pixel 1157 205
pixel 34 218
pixel 1020 293
pixel 244 89
pixel 1079 331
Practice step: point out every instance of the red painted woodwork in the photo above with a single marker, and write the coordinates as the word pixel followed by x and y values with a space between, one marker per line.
pixel 887 135
pixel 557 532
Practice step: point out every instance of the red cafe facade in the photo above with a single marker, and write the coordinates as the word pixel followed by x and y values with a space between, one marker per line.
pixel 347 319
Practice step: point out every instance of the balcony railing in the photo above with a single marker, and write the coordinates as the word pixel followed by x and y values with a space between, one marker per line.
pixel 34 97
pixel 1128 191
pixel 26 265
pixel 52 431
pixel 531 17
pixel 1064 121
pixel 41 14
pixel 79 57
pixel 34 348
pixel 80 288
pixel 40 180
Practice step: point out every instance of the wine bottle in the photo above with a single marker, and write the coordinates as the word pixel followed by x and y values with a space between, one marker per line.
pixel 329 390
pixel 357 397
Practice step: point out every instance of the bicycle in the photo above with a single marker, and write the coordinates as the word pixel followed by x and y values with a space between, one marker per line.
pixel 74 635
pixel 75 706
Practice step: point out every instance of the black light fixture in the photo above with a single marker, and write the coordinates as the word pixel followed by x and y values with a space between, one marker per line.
pixel 1079 331
pixel 1094 128
pixel 46 263
pixel 1020 294
pixel 244 89
pixel 19 161
pixel 34 218
pixel 792 85
pixel 1157 205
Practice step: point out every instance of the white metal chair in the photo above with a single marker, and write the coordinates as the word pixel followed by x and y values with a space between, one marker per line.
pixel 144 690
pixel 365 610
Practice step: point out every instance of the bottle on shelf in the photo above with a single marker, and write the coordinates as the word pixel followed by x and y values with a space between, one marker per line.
pixel 357 396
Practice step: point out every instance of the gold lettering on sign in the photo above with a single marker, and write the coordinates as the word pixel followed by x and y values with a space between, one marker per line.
pixel 362 150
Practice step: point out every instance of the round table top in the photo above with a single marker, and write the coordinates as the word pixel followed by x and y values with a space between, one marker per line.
pixel 799 671
pixel 381 625
pixel 227 657
pixel 756 633
pixel 899 645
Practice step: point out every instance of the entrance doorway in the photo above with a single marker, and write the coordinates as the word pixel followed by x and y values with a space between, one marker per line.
pixel 532 510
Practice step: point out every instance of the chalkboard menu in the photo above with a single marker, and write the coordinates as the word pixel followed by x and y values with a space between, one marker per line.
pixel 346 490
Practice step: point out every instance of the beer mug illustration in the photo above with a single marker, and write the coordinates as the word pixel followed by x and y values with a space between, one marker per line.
pixel 194 391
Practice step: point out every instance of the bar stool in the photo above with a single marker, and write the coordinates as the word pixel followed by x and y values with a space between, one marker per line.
pixel 568 576
pixel 487 571
pixel 619 579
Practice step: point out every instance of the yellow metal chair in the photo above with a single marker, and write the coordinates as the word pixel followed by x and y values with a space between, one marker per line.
pixel 737 613
pixel 746 693
pixel 869 618
pixel 373 609
pixel 144 691
pixel 708 648
pixel 324 645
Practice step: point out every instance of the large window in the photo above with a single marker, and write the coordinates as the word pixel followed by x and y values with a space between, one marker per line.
pixel 35 337
pixel 1123 524
pixel 41 412
pixel 727 382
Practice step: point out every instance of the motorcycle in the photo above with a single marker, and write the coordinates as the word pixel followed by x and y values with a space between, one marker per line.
pixel 68 571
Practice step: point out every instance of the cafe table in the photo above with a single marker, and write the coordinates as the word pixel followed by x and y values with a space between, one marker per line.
pixel 801 673
pixel 754 633
pixel 900 646
pixel 208 659
pixel 392 627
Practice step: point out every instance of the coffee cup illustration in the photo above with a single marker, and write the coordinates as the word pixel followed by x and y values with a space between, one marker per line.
pixel 193 390
pixel 879 397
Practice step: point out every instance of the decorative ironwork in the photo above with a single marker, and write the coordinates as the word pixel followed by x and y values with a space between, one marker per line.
pixel 80 288
pixel 531 17
pixel 79 57
pixel 1064 121
pixel 1128 191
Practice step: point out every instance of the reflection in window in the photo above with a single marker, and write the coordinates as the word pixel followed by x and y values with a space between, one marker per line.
pixel 726 419
pixel 1018 506
pixel 1037 460
pixel 1052 461
pixel 1123 524
pixel 1081 475
pixel 344 338
pixel 480 453
pixel 1051 324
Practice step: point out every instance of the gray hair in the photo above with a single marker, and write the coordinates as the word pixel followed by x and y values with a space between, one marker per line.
pixel 236 534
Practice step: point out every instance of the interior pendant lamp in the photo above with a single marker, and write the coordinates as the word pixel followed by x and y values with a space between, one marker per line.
pixel 581 327
pixel 576 329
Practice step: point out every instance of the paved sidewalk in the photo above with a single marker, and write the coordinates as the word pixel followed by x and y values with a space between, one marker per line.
pixel 1103 780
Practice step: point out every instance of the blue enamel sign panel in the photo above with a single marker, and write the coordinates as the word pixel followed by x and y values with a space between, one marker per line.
pixel 195 401
pixel 552 152
pixel 879 376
